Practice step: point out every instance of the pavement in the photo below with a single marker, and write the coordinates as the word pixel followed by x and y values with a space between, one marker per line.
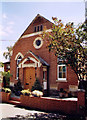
pixel 9 110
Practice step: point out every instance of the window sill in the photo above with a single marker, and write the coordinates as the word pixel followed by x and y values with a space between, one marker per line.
pixel 61 80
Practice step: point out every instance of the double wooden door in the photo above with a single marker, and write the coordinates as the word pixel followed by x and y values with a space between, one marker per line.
pixel 29 77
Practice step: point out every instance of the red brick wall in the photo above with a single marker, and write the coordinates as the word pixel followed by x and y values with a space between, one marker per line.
pixel 52 104
pixel 4 97
pixel 49 104
pixel 81 101
pixel 71 79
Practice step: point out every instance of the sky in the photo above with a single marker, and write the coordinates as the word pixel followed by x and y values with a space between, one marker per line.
pixel 16 16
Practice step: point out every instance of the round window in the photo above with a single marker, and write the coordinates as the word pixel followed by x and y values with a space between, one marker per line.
pixel 38 42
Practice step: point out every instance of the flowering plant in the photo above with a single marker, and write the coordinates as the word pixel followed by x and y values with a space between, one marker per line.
pixel 7 90
pixel 37 93
pixel 26 92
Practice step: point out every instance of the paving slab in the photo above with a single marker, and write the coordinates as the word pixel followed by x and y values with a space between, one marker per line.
pixel 9 110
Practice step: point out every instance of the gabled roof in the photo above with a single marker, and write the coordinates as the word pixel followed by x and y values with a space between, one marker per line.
pixel 38 19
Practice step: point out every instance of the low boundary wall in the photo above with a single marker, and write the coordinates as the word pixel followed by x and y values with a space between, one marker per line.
pixel 53 104
pixel 4 97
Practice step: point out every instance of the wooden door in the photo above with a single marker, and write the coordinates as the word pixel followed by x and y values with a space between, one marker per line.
pixel 29 77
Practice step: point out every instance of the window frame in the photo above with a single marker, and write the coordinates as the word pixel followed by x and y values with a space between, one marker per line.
pixel 17 67
pixel 61 79
pixel 35 45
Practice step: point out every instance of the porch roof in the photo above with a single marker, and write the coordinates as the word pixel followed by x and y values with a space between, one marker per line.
pixel 38 58
pixel 43 61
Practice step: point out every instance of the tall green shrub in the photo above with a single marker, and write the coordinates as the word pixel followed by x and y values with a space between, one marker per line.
pixel 6 77
pixel 37 86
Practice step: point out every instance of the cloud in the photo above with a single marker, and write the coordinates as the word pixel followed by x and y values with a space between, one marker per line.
pixel 2 31
pixel 11 23
pixel 4 16
pixel 6 29
pixel 9 29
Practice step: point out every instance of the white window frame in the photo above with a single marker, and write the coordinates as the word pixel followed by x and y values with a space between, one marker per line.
pixel 17 68
pixel 61 79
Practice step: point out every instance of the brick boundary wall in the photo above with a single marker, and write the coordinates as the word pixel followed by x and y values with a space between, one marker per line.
pixel 4 97
pixel 54 105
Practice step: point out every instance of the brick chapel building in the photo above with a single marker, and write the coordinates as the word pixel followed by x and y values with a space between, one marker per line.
pixel 31 59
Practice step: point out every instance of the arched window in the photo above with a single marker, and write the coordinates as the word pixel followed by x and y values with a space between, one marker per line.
pixel 17 68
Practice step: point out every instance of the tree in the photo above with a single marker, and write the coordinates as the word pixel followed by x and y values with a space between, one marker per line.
pixel 8 54
pixel 6 78
pixel 1 64
pixel 66 41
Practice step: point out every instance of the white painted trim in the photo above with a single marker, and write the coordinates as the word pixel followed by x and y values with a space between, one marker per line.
pixel 39 64
pixel 29 65
pixel 32 59
pixel 34 56
pixel 18 55
pixel 34 43
pixel 36 33
pixel 61 79
pixel 35 64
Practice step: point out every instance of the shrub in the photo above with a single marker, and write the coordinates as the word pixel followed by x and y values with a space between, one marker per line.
pixel 26 92
pixel 37 93
pixel 37 86
pixel 6 78
pixel 17 88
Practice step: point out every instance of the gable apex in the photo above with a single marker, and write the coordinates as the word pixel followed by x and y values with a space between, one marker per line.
pixel 39 17
pixel 38 20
